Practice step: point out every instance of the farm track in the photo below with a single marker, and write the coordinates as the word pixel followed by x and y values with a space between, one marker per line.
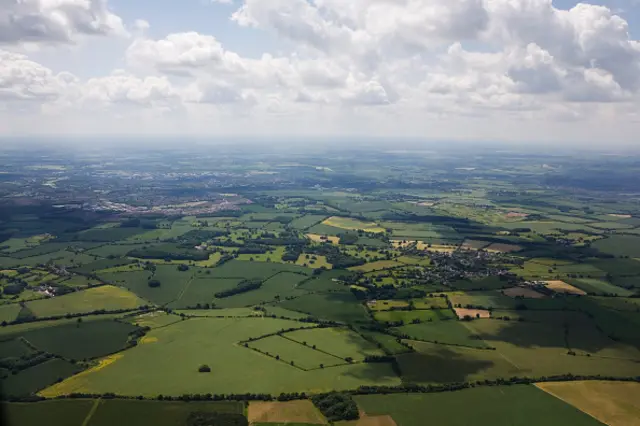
pixel 91 412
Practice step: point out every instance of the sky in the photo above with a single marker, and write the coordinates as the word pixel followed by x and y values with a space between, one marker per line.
pixel 442 70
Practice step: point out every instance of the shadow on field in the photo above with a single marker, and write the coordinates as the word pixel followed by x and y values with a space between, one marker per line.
pixel 440 366
pixel 591 331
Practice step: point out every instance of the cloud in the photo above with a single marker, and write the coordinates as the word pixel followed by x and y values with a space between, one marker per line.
pixel 393 63
pixel 56 21
pixel 24 80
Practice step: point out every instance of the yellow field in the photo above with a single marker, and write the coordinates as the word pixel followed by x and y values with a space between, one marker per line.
pixel 473 313
pixel 502 248
pixel 612 403
pixel 317 238
pixel 76 383
pixel 285 412
pixel 352 224
pixel 562 287
pixel 319 261
pixel 439 248
pixel 148 339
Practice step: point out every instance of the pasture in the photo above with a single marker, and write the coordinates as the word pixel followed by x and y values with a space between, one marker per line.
pixel 105 297
pixel 599 287
pixel 37 377
pixel 307 221
pixel 377 266
pixel 445 332
pixel 501 406
pixel 70 412
pixel 201 290
pixel 277 287
pixel 172 282
pixel 340 342
pixel 151 369
pixel 341 307
pixel 284 350
pixel 619 245
pixel 409 316
pixel 82 340
pixel 313 261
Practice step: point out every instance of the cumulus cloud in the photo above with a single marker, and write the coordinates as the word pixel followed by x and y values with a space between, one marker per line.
pixel 378 59
pixel 26 80
pixel 56 21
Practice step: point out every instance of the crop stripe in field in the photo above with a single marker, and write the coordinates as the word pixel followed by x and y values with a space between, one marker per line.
pixel 91 412
pixel 183 291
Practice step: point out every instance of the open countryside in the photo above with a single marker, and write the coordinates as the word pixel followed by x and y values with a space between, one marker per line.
pixel 318 296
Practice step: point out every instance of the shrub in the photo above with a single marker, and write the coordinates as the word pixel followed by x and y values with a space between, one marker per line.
pixel 204 369
pixel 154 283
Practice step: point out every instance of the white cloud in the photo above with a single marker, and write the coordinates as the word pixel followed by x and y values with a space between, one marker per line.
pixel 25 80
pixel 55 21
pixel 362 65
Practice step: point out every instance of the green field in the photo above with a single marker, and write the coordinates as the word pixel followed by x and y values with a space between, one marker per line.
pixel 336 341
pixel 10 312
pixel 341 307
pixel 595 286
pixel 172 282
pixel 288 351
pixel 14 348
pixel 70 412
pixel 307 221
pixel 249 270
pixel 201 290
pixel 37 377
pixel 83 412
pixel 277 287
pixel 501 406
pixel 447 332
pixel 151 368
pixel 81 340
pixel 408 316
pixel 619 245
pixel 104 297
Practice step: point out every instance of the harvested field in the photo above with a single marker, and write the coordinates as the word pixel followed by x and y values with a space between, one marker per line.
pixel 517 214
pixel 613 403
pixel 473 313
pixel 352 224
pixel 562 287
pixel 523 292
pixel 503 248
pixel 370 421
pixel 474 244
pixel 285 412
pixel 317 238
